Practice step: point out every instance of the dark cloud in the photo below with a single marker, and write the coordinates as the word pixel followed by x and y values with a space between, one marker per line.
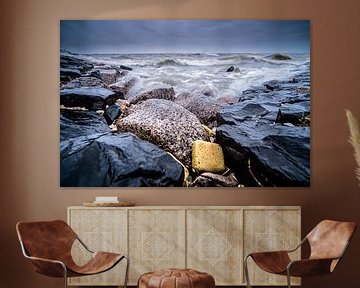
pixel 174 36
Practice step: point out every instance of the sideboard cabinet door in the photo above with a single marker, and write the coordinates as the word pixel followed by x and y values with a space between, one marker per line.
pixel 156 240
pixel 271 229
pixel 101 230
pixel 214 243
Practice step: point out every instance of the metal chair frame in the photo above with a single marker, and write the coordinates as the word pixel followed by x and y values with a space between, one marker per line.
pixel 288 276
pixel 23 249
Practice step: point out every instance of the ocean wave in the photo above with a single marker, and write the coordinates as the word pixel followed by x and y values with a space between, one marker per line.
pixel 206 74
pixel 239 57
pixel 278 57
pixel 168 62
pixel 120 57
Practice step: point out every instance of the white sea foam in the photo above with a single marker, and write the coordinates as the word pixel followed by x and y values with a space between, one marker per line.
pixel 202 73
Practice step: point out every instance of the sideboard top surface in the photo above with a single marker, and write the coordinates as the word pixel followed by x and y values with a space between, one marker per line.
pixel 193 207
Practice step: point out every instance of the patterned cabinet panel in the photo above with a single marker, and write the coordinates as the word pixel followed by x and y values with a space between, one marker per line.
pixel 156 240
pixel 101 230
pixel 267 230
pixel 214 244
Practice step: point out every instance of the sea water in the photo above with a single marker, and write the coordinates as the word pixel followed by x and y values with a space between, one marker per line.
pixel 204 73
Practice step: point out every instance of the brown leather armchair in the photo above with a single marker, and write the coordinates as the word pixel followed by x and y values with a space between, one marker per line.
pixel 328 242
pixel 48 245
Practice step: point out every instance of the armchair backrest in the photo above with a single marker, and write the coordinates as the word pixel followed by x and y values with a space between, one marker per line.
pixel 329 239
pixel 46 239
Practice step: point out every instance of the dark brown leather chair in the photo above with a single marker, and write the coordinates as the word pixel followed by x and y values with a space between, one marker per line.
pixel 328 242
pixel 48 245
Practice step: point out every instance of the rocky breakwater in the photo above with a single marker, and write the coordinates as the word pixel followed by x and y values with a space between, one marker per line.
pixel 166 124
pixel 72 67
pixel 116 160
pixel 203 107
pixel 91 155
pixel 266 136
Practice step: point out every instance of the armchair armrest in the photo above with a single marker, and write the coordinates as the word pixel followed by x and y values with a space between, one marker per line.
pixel 298 246
pixel 49 267
pixel 309 267
pixel 83 244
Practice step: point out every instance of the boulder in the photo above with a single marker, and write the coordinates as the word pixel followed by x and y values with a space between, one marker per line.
pixel 184 98
pixel 203 107
pixel 123 67
pixel 74 62
pixel 69 73
pixel 94 73
pixel 157 93
pixel 85 82
pixel 230 69
pixel 264 154
pixel 266 136
pixel 75 123
pixel 281 57
pixel 215 180
pixel 228 99
pixel 123 85
pixel 88 97
pixel 295 114
pixel 108 76
pixel 112 113
pixel 166 124
pixel 207 157
pixel 248 111
pixel 116 160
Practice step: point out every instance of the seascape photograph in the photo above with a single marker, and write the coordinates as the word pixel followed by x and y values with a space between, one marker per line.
pixel 185 103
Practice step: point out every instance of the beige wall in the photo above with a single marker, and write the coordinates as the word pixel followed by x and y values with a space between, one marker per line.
pixel 30 119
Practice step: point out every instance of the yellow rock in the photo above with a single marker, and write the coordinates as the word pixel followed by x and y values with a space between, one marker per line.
pixel 207 157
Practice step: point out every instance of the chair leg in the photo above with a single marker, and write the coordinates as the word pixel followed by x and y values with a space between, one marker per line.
pixel 288 278
pixel 65 275
pixel 246 270
pixel 126 271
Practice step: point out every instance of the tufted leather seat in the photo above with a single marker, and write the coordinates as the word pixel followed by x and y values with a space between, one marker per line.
pixel 176 278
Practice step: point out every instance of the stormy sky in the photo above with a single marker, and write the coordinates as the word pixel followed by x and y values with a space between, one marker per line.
pixel 185 36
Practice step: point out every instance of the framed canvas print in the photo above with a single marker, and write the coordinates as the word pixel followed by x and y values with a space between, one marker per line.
pixel 193 103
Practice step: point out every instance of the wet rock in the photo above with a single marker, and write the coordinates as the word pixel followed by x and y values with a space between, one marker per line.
pixel 230 69
pixel 88 97
pixel 123 85
pixel 108 76
pixel 166 124
pixel 278 56
pixel 102 66
pixel 94 73
pixel 295 114
pixel 248 111
pixel 266 136
pixel 264 154
pixel 123 104
pixel 112 113
pixel 207 157
pixel 74 62
pixel 301 90
pixel 157 93
pixel 72 67
pixel 116 160
pixel 228 99
pixel 184 98
pixel 214 180
pixel 125 68
pixel 204 108
pixel 85 82
pixel 69 73
pixel 75 123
